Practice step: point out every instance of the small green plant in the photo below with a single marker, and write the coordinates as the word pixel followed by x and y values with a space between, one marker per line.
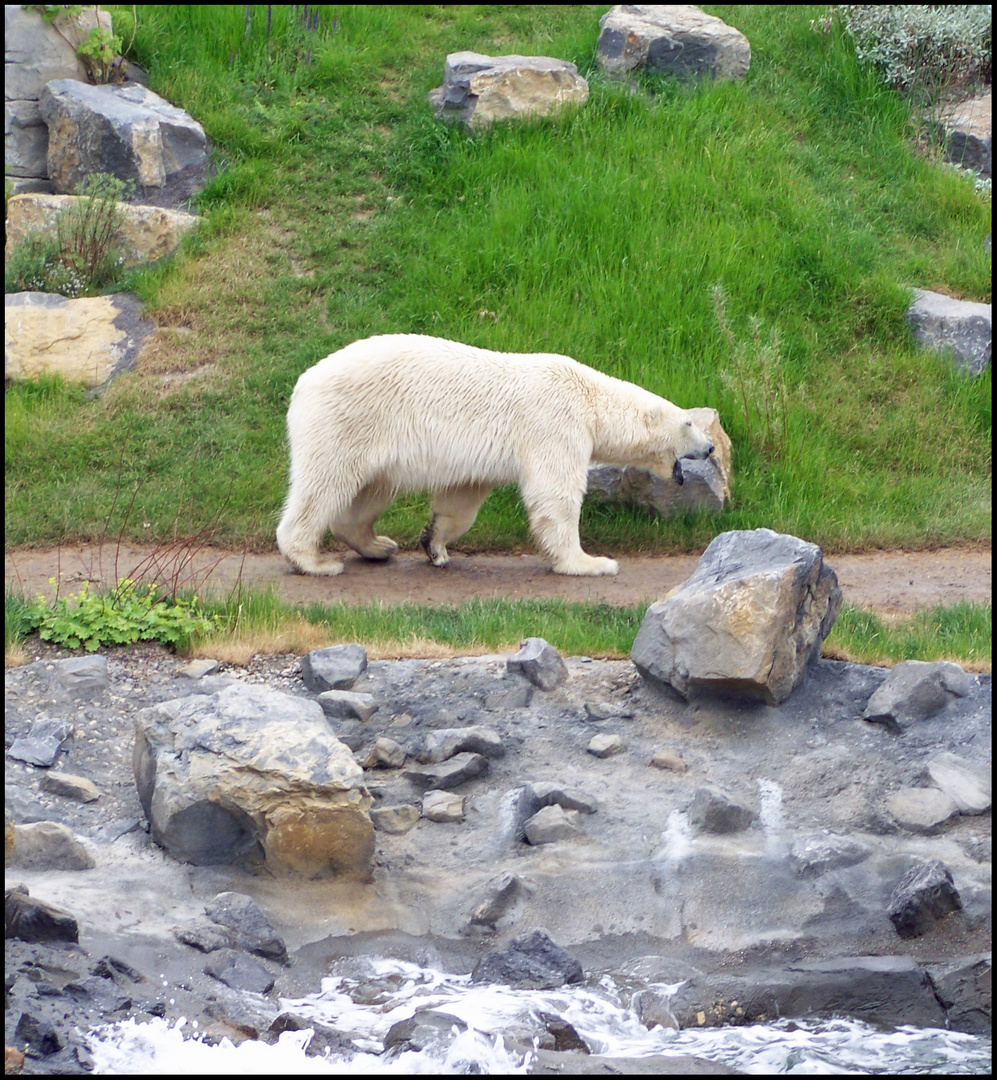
pixel 84 258
pixel 758 381
pixel 127 614
pixel 100 51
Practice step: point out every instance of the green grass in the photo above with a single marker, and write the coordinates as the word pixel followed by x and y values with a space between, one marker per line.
pixel 343 209
pixel 251 621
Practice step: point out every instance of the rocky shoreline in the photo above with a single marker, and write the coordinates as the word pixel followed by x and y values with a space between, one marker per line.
pixel 751 852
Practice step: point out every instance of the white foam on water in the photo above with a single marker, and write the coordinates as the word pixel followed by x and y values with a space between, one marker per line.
pixel 676 839
pixel 374 994
pixel 770 817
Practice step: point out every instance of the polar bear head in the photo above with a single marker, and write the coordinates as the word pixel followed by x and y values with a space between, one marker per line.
pixel 676 438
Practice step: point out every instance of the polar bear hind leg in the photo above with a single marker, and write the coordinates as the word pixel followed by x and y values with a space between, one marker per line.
pixel 454 511
pixel 356 525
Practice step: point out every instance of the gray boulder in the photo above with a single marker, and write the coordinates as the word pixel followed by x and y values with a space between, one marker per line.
pixel 747 624
pixel 35 920
pixel 240 972
pixel 335 668
pixel 343 705
pixel 250 927
pixel 671 39
pixel 960 327
pixel 533 962
pixel 127 131
pixel 478 90
pixel 550 824
pixel 48 845
pixel 250 772
pixel 815 855
pixel 712 811
pixel 428 1028
pixel 915 690
pixel 970 786
pixel 540 662
pixel 43 742
pixel 925 894
pixel 501 905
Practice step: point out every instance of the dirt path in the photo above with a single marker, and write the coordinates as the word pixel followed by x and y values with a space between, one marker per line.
pixel 886 581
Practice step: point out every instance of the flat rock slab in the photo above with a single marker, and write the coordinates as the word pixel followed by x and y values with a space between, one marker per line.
pixel 477 90
pixel 924 810
pixel 671 39
pixel 449 774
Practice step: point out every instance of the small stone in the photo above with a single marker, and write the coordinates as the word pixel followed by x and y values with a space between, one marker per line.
pixel 916 690
pixel 550 824
pixel 70 787
pixel 336 668
pixel 39 1034
pixel 344 705
pixel 604 746
pixel 815 855
pixel 714 812
pixel 922 810
pixel 533 961
pixel 42 744
pixel 197 669
pixel 923 895
pixel 499 908
pixel 48 845
pixel 548 794
pixel 540 662
pixel 443 806
pixel 385 754
pixel 450 774
pixel 239 971
pixel 395 819
pixel 445 742
pixel 668 760
pixel 205 937
pixel 243 916
pixel 601 710
pixel 968 785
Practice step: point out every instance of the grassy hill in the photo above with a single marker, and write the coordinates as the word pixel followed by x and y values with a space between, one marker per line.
pixel 748 246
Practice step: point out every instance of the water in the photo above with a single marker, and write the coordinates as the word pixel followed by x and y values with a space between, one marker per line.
pixel 367 996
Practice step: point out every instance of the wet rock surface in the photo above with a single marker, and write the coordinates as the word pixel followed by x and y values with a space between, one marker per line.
pixel 808 880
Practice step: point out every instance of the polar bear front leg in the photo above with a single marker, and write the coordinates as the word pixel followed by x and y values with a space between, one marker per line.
pixel 300 533
pixel 454 511
pixel 554 522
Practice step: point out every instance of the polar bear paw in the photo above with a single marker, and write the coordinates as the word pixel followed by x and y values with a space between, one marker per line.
pixel 583 565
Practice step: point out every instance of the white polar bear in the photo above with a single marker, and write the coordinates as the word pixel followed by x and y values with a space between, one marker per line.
pixel 404 412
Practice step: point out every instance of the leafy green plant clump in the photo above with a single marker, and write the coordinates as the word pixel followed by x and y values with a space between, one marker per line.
pixel 127 614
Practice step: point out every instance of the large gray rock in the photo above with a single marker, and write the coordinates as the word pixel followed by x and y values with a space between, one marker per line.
pixel 915 690
pixel 449 774
pixel 250 771
pixel 127 131
pixel 478 90
pixel 89 340
pixel 923 895
pixel 35 52
pixel 671 39
pixel 960 327
pixel 747 624
pixel 700 485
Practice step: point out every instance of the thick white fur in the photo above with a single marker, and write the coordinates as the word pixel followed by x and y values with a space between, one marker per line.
pixel 403 412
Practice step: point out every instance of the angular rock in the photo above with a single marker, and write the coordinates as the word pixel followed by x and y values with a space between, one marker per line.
pixel 964 987
pixel 812 856
pixel 674 39
pixel 247 771
pixel 147 233
pixel 540 662
pixel 923 895
pixel 604 746
pixel 35 53
pixel 968 785
pixel 250 927
pixel 77 788
pixel 704 485
pixel 654 1009
pixel 763 600
pixel 669 761
pixel 962 328
pixel 478 90
pixel 548 794
pixel 385 754
pixel 449 774
pixel 565 1035
pixel 119 971
pixel 428 1028
pixel 198 669
pixel 922 810
pixel 239 971
pixel 324 1038
pixel 550 824
pixel 395 819
pixel 42 744
pixel 40 1034
pixel 601 710
pixel 47 845
pixel 335 668
pixel 205 937
pixel 344 705
pixel 89 340
pixel 445 742
pixel 30 919
pixel 533 962
pixel 915 690
pixel 127 131
pixel 443 806
pixel 500 907
pixel 714 812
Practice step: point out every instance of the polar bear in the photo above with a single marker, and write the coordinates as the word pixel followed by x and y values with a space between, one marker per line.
pixel 405 412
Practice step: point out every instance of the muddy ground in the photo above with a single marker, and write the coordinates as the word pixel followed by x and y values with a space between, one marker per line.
pixel 885 581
